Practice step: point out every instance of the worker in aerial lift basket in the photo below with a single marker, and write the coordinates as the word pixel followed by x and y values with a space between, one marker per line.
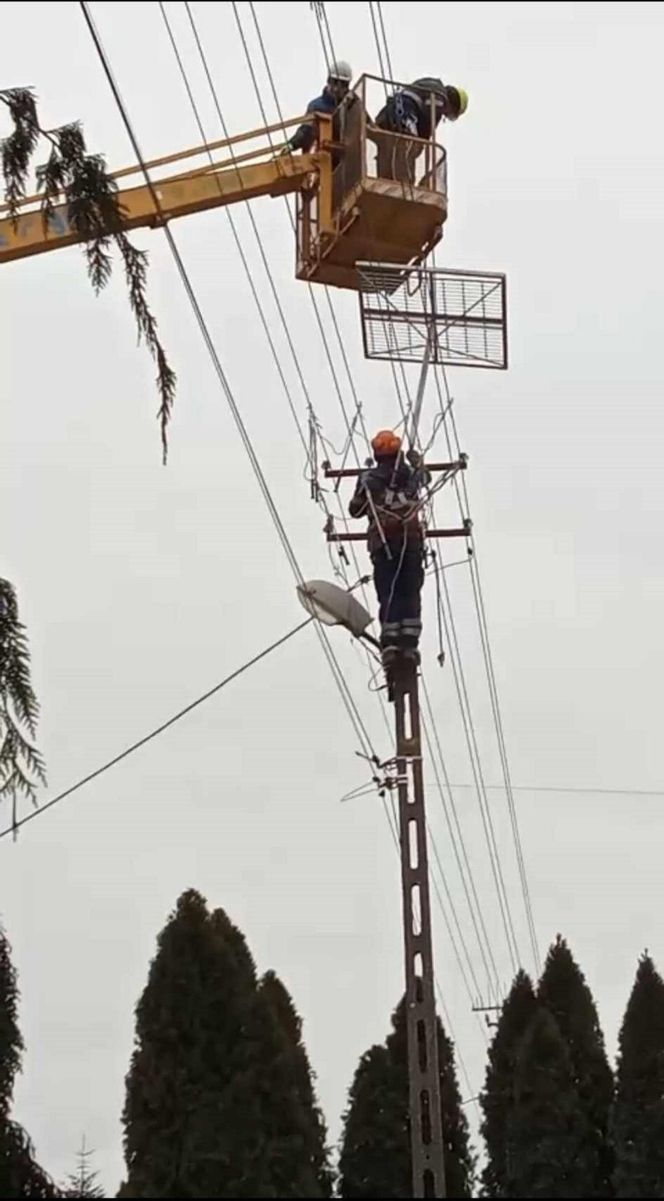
pixel 389 494
pixel 414 112
pixel 339 79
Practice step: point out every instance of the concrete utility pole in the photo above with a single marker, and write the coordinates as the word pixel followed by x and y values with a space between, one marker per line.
pixel 433 318
pixel 426 1135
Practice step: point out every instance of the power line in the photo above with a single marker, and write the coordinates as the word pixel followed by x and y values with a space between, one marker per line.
pixel 347 698
pixel 359 416
pixel 135 746
pixel 459 674
pixel 476 767
pixel 458 840
pixel 573 791
pixel 314 422
pixel 480 608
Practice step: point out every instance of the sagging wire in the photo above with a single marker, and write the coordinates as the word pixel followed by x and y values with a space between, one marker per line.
pixel 340 680
pixel 464 507
pixel 318 9
pixel 400 397
pixel 310 471
pixel 359 413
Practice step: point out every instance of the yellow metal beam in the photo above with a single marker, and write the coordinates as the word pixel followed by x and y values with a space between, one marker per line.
pixel 188 193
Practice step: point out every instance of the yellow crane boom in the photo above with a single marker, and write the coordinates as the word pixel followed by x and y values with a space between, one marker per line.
pixel 350 208
pixel 187 192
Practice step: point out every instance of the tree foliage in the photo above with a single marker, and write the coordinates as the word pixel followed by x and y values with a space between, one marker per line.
pixel 213 1104
pixel 564 992
pixel 375 1154
pixel 548 1150
pixel 497 1098
pixel 21 765
pixel 82 1182
pixel 638 1119
pixel 20 1175
pixel 79 180
pixel 296 1066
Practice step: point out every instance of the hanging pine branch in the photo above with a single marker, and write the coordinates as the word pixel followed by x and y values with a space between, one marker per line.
pixel 80 180
pixel 21 765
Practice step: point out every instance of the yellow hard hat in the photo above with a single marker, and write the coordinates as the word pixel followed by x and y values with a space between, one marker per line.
pixel 463 100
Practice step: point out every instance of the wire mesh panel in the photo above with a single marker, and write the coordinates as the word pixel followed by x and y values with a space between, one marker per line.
pixel 461 315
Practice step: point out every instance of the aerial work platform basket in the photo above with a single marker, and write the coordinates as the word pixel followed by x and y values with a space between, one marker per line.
pixel 385 199
pixel 363 194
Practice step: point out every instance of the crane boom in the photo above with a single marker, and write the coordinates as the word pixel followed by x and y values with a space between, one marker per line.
pixel 187 192
pixel 352 202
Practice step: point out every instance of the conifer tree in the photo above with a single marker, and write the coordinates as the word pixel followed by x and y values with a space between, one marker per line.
pixel 212 1107
pixel 638 1118
pixel 20 1176
pixel 21 765
pixel 296 1064
pixel 498 1096
pixel 83 1181
pixel 564 992
pixel 548 1151
pixel 375 1155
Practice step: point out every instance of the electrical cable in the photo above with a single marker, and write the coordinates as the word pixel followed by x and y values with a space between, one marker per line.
pixel 348 700
pixel 461 489
pixel 458 841
pixel 135 746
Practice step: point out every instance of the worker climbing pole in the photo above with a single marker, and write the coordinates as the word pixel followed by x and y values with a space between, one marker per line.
pixel 434 318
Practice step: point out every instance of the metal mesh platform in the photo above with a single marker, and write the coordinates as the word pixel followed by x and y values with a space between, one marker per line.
pixel 461 313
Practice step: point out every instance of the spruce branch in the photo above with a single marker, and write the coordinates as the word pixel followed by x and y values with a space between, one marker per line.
pixel 80 181
pixel 18 148
pixel 21 765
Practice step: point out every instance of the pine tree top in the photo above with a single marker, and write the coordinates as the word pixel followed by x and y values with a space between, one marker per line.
pixel 83 1181
pixel 219 1099
pixel 281 1002
pixel 564 992
pixel 11 1043
pixel 375 1158
pixel 641 1042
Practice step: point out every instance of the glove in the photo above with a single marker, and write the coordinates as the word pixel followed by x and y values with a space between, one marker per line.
pixel 414 458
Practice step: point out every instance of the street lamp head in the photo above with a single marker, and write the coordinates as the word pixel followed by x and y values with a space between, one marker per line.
pixel 334 606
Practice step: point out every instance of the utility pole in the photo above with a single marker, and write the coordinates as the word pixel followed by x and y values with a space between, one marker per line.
pixel 433 318
pixel 426 1133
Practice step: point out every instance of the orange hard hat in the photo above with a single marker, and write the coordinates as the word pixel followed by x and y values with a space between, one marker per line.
pixel 385 444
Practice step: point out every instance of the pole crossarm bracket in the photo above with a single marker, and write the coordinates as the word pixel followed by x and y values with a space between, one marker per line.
pixel 349 473
pixel 463 531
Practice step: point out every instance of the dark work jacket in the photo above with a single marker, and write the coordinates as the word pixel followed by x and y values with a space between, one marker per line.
pixel 393 515
pixel 408 112
pixel 304 137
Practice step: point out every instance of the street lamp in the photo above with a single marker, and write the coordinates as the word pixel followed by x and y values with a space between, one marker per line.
pixel 334 606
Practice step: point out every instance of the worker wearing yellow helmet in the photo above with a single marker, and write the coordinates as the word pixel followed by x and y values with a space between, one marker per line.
pixel 415 111
pixel 389 495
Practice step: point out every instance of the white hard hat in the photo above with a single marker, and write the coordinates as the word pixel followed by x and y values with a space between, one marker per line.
pixel 340 70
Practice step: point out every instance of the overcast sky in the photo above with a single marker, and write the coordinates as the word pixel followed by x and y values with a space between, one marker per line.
pixel 141 587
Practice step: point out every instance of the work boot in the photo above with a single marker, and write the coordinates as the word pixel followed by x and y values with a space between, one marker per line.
pixel 410 654
pixel 390 655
